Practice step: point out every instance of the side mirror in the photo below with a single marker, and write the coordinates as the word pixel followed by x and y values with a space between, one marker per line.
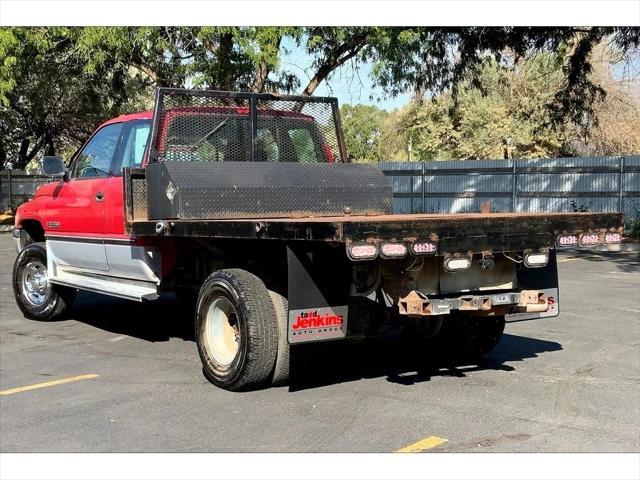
pixel 53 167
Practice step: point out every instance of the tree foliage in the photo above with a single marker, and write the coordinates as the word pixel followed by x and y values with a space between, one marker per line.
pixel 510 113
pixel 362 126
pixel 56 83
pixel 48 98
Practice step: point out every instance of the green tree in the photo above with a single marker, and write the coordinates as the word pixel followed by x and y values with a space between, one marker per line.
pixel 55 82
pixel 362 126
pixel 508 111
pixel 48 100
pixel 508 114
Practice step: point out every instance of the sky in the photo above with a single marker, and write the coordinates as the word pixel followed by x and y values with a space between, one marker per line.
pixel 348 85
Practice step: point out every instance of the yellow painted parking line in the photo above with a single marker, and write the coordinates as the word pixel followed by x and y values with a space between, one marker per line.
pixel 48 384
pixel 422 445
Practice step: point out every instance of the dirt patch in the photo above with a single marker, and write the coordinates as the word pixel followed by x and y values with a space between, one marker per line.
pixel 6 219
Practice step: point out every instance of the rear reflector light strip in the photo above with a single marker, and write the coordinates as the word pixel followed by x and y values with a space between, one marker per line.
pixel 393 250
pixel 368 251
pixel 588 239
pixel 612 238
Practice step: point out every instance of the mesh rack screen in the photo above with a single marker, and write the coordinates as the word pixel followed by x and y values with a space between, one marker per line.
pixel 204 126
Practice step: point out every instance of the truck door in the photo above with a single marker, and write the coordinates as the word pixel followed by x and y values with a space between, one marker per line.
pixel 76 214
pixel 130 153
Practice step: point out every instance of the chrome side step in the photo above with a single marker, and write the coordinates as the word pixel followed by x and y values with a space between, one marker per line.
pixel 127 289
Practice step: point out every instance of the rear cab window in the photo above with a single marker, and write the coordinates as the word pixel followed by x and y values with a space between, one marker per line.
pixel 222 137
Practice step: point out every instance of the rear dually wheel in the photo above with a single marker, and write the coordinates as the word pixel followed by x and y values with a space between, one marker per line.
pixel 236 330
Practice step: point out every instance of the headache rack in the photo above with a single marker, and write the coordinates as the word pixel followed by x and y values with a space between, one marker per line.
pixel 250 119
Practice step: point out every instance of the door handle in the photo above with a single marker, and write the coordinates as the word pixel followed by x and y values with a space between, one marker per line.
pixel 99 196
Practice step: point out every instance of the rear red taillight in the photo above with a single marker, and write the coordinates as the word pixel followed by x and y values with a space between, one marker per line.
pixel 612 238
pixel 328 153
pixel 567 240
pixel 590 239
pixel 424 248
pixel 362 251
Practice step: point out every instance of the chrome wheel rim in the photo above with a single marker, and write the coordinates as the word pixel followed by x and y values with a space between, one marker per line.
pixel 35 283
pixel 221 332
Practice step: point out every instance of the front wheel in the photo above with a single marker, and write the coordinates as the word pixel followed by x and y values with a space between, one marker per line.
pixel 236 330
pixel 37 298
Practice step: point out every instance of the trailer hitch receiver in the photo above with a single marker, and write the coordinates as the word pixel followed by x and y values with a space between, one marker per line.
pixel 415 304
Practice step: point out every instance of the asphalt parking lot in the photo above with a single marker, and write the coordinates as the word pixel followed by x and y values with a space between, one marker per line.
pixel 132 382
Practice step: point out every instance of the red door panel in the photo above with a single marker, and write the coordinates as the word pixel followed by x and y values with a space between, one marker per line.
pixel 114 206
pixel 76 208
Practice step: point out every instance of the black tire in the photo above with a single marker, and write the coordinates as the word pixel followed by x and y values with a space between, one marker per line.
pixel 457 338
pixel 466 337
pixel 255 325
pixel 281 369
pixel 491 330
pixel 55 302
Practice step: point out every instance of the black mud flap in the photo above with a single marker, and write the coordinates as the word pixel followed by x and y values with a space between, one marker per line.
pixel 319 279
pixel 545 279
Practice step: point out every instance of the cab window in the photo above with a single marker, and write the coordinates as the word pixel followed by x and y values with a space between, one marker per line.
pixel 94 161
pixel 134 144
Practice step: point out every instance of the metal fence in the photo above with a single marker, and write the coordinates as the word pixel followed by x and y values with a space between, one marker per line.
pixel 16 188
pixel 596 184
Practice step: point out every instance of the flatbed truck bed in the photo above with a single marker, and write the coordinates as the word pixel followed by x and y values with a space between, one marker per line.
pixel 480 231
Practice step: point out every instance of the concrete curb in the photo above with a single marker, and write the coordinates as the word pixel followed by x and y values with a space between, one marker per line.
pixel 6 228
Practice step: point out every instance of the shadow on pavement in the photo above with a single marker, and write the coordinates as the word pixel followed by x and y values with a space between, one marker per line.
pixel 312 365
pixel 153 322
pixel 625 261
pixel 328 363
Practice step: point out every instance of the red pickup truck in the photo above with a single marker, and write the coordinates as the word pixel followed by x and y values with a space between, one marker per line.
pixel 245 206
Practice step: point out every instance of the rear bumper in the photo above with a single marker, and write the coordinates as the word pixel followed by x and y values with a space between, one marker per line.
pixel 526 301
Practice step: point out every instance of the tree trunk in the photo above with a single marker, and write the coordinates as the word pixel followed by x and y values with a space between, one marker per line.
pixel 224 59
pixel 336 58
pixel 149 72
pixel 262 74
pixel 50 148
pixel 22 154
pixel 3 155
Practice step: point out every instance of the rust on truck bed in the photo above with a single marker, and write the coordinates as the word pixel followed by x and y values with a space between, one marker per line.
pixel 474 232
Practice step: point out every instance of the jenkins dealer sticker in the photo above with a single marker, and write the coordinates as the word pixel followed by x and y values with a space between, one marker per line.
pixel 316 324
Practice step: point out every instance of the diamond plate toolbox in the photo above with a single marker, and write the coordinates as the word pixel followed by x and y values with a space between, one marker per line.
pixel 235 190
